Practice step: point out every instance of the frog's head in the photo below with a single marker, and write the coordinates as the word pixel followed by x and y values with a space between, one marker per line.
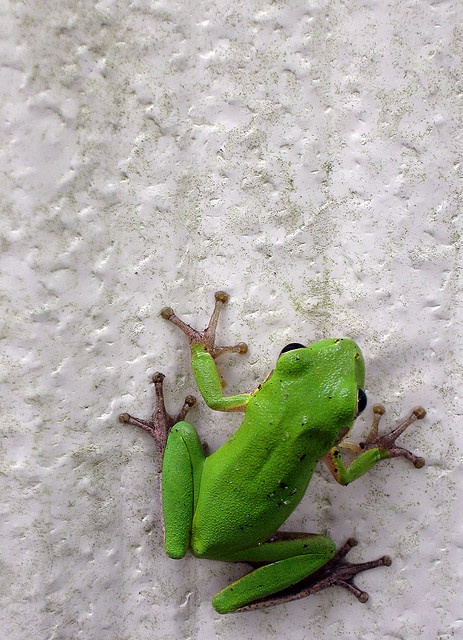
pixel 329 375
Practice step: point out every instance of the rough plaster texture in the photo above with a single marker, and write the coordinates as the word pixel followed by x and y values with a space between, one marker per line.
pixel 304 156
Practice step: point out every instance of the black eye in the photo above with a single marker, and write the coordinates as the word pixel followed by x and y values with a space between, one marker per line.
pixel 361 400
pixel 291 346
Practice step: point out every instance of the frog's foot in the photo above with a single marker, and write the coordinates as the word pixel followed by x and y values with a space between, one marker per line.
pixel 341 573
pixel 161 422
pixel 387 443
pixel 206 337
pixel 337 572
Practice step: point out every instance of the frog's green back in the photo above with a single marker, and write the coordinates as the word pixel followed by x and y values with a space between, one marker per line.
pixel 256 479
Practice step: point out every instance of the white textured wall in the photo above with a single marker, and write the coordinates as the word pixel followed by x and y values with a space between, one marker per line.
pixel 302 155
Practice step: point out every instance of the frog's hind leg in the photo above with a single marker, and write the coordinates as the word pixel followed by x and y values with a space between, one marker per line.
pixel 279 563
pixel 181 479
pixel 181 457
pixel 161 422
pixel 337 572
pixel 291 566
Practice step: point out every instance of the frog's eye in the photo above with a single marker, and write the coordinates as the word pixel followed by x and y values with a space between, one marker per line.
pixel 291 346
pixel 361 400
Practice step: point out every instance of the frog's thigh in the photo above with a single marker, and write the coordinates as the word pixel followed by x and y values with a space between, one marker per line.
pixel 289 562
pixel 181 476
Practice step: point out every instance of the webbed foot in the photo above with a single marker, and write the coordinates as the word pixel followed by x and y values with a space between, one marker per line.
pixel 337 572
pixel 387 443
pixel 161 422
pixel 206 337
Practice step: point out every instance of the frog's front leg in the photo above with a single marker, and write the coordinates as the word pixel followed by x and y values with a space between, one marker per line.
pixel 206 338
pixel 181 457
pixel 203 354
pixel 292 566
pixel 373 449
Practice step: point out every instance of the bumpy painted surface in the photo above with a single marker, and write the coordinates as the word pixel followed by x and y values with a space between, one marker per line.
pixel 304 155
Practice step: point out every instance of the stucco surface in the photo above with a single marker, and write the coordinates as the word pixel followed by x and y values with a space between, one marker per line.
pixel 304 156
